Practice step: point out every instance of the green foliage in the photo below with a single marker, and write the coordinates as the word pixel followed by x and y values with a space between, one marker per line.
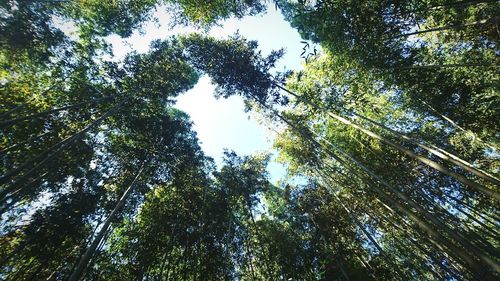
pixel 448 61
pixel 206 13
pixel 219 59
pixel 389 135
pixel 103 18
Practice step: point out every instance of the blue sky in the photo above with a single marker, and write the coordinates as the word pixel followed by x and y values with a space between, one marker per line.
pixel 222 123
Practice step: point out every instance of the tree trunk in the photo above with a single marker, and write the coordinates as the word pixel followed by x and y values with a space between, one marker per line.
pixel 444 155
pixel 10 122
pixel 455 125
pixel 50 153
pixel 19 107
pixel 14 146
pixel 424 225
pixel 360 225
pixel 439 6
pixel 461 224
pixel 267 263
pixel 83 263
pixel 491 193
pixel 447 27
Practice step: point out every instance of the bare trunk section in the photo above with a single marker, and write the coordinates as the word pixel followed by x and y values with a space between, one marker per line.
pixel 447 27
pixel 83 263
pixel 465 255
pixel 491 193
pixel 440 6
pixel 455 125
pixel 49 154
pixel 441 153
pixel 14 121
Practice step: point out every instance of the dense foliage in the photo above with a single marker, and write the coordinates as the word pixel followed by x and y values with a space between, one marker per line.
pixel 389 133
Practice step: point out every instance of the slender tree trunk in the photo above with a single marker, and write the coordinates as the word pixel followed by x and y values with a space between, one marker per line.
pixel 14 146
pixel 459 205
pixel 369 270
pixel 73 137
pixel 447 27
pixel 400 210
pixel 418 245
pixel 267 263
pixel 440 6
pixel 491 193
pixel 360 226
pixel 490 218
pixel 424 225
pixel 330 242
pixel 455 125
pixel 16 196
pixel 250 260
pixel 87 243
pixel 58 269
pixel 19 107
pixel 341 266
pixel 444 155
pixel 50 153
pixel 10 122
pixel 83 263
pixel 468 256
pixel 461 224
pixel 434 66
pixel 404 247
pixel 98 250
pixel 383 182
pixel 466 229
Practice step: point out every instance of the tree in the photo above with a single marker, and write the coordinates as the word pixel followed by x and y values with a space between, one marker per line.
pixel 101 178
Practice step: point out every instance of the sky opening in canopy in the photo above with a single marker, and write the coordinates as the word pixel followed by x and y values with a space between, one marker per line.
pixel 222 123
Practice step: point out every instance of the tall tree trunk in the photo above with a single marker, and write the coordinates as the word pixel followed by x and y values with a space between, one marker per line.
pixel 403 247
pixel 441 153
pixel 14 146
pixel 456 126
pixel 50 153
pixel 16 196
pixel 360 226
pixel 460 205
pixel 449 215
pixel 447 27
pixel 491 193
pixel 83 263
pixel 466 256
pixel 445 5
pixel 19 107
pixel 471 249
pixel 10 122
pixel 250 260
pixel 418 245
pixel 254 224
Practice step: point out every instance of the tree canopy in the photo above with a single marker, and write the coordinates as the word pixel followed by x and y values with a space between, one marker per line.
pixel 389 134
